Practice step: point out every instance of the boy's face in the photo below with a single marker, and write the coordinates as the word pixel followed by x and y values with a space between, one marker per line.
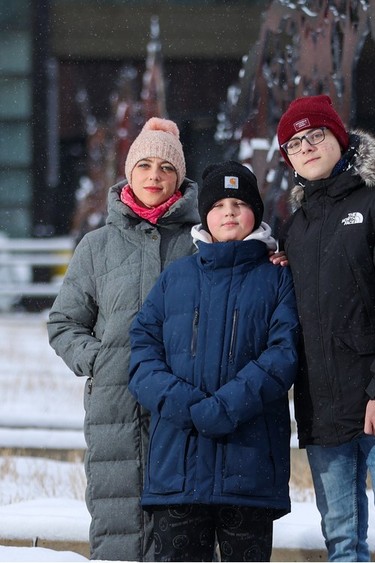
pixel 316 162
pixel 230 219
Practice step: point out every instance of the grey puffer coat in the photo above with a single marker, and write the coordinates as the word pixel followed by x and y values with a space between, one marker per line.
pixel 109 276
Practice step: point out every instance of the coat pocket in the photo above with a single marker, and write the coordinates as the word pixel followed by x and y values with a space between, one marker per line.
pixel 359 343
pixel 166 458
pixel 248 462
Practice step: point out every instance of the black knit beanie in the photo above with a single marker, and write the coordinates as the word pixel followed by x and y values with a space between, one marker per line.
pixel 229 179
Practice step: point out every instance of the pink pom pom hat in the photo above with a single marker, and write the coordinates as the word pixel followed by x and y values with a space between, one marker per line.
pixel 158 138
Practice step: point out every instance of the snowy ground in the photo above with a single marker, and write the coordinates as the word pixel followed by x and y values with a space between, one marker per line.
pixel 42 408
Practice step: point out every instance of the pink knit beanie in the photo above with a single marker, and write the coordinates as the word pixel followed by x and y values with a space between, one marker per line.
pixel 158 138
pixel 309 112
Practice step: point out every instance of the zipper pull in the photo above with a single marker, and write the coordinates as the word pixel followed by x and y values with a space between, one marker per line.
pixel 195 331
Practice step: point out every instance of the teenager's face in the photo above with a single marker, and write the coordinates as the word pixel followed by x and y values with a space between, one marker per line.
pixel 230 219
pixel 153 181
pixel 316 162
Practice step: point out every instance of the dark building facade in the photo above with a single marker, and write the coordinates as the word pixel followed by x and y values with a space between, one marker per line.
pixel 61 62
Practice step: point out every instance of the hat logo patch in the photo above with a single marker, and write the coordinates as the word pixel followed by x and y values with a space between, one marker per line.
pixel 231 182
pixel 301 124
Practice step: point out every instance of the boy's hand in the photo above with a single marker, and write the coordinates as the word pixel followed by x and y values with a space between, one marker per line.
pixel 278 258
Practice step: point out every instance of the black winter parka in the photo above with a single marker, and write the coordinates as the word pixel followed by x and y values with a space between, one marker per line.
pixel 330 246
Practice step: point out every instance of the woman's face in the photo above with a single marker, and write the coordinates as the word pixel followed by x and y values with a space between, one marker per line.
pixel 153 181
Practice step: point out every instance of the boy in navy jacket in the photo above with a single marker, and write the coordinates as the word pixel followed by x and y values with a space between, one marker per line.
pixel 214 353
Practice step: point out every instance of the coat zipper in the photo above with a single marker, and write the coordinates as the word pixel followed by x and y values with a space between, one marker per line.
pixel 233 336
pixel 195 332
pixel 142 462
pixel 322 339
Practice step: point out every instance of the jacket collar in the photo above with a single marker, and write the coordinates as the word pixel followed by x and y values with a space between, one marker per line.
pixel 232 254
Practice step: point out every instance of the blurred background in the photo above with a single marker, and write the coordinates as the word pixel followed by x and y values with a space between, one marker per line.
pixel 78 79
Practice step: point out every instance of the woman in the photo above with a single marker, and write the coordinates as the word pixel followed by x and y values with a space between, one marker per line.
pixel 111 272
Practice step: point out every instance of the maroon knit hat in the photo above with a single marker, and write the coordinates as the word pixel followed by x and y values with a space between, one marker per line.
pixel 309 112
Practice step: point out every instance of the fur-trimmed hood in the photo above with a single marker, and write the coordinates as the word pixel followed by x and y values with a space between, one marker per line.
pixel 362 163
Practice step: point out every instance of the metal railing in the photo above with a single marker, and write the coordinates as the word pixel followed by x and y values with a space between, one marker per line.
pixel 21 258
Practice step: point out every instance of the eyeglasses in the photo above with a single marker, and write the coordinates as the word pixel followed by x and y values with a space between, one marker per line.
pixel 313 137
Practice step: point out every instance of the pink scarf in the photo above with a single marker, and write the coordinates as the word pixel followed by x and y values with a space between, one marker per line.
pixel 151 214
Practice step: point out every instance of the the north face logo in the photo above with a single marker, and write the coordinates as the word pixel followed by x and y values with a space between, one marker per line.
pixel 353 218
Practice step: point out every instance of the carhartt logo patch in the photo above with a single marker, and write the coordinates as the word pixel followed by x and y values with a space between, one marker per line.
pixel 231 182
pixel 301 124
pixel 353 218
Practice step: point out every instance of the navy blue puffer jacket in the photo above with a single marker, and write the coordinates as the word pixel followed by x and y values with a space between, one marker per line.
pixel 214 353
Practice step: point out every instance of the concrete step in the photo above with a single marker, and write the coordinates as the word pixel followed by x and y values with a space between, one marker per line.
pixel 82 548
pixel 283 554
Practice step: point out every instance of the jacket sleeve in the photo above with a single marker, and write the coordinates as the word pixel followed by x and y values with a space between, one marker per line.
pixel 261 381
pixel 150 379
pixel 73 315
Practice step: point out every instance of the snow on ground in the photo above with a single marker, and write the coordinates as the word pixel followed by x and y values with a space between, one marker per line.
pixel 39 554
pixel 63 518
pixel 42 407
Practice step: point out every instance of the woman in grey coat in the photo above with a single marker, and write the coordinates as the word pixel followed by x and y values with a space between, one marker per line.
pixel 111 272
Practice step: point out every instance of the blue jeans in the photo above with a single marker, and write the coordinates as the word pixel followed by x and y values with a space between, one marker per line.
pixel 339 474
